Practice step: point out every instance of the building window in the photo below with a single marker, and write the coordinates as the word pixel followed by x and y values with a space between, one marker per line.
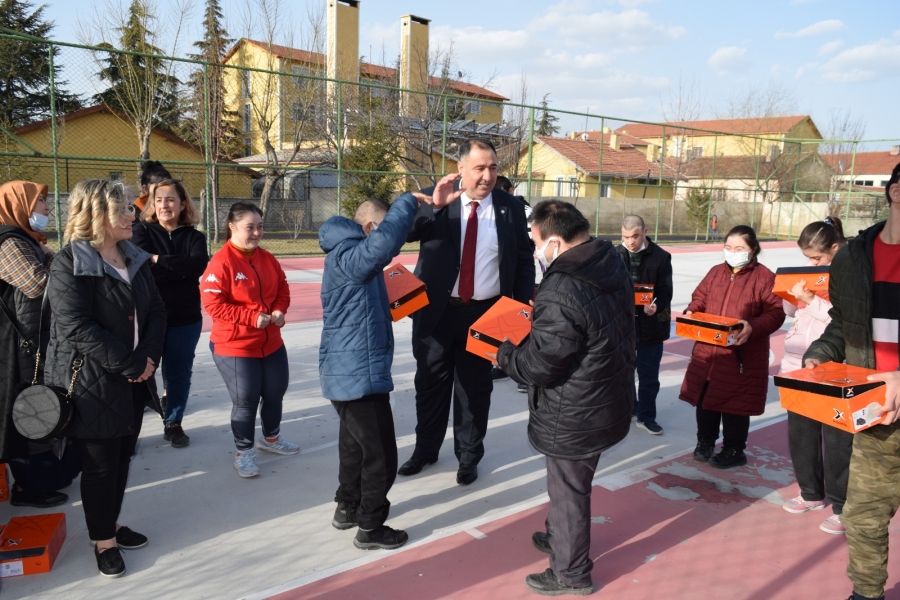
pixel 695 152
pixel 245 84
pixel 115 176
pixel 573 186
pixel 560 186
pixel 248 146
pixel 247 118
pixel 719 196
pixel 747 194
pixel 296 112
pixel 884 182
pixel 473 107
pixel 677 151
pixel 604 190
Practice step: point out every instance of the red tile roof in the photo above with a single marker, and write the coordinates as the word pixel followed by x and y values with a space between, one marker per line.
pixel 867 163
pixel 624 138
pixel 585 155
pixel 756 126
pixel 365 69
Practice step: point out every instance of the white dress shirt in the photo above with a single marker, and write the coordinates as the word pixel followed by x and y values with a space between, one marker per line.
pixel 487 251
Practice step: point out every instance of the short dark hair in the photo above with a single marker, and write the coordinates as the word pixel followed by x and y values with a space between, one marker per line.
pixel 152 171
pixel 895 178
pixel 632 221
pixel 237 212
pixel 480 143
pixel 564 220
pixel 504 183
pixel 749 235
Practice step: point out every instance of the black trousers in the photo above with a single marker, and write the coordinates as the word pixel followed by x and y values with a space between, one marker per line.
pixel 367 448
pixel 735 428
pixel 820 474
pixel 104 472
pixel 445 372
pixel 569 520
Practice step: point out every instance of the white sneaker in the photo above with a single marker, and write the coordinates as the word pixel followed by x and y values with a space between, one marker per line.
pixel 279 446
pixel 245 463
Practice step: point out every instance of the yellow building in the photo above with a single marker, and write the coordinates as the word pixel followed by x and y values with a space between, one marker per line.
pixel 102 132
pixel 571 168
pixel 769 136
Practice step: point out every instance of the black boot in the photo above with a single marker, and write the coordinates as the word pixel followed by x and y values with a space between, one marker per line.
pixel 548 584
pixel 728 458
pixel 345 516
pixel 703 451
pixel 380 537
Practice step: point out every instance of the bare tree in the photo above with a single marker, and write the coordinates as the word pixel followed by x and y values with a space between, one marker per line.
pixel 842 131
pixel 683 103
pixel 516 116
pixel 143 85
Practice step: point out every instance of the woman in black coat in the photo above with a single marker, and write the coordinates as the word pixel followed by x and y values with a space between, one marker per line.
pixel 108 323
pixel 178 257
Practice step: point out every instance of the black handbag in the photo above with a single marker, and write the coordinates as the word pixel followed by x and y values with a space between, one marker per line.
pixel 41 412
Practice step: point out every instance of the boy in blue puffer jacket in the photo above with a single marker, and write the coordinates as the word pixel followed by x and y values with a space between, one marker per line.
pixel 355 358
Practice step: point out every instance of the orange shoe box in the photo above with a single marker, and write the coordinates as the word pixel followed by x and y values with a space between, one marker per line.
pixel 643 294
pixel 30 545
pixel 787 277
pixel 405 292
pixel 506 319
pixel 709 329
pixel 4 483
pixel 833 393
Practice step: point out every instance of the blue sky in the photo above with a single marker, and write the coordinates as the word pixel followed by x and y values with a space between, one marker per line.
pixel 622 57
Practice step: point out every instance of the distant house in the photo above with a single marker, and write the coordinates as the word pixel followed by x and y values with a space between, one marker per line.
pixel 768 136
pixel 102 131
pixel 573 167
pixel 865 169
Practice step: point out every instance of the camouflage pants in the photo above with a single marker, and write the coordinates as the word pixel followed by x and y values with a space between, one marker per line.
pixel 873 495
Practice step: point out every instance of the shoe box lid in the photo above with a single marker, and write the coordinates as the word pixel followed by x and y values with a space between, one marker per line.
pixel 816 279
pixel 30 545
pixel 406 293
pixel 833 393
pixel 708 328
pixel 643 294
pixel 507 318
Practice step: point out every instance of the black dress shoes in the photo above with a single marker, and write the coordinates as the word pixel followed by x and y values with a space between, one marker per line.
pixel 466 474
pixel 539 541
pixel 415 464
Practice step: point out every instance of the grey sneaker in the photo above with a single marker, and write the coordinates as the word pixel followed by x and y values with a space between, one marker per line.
pixel 245 463
pixel 279 446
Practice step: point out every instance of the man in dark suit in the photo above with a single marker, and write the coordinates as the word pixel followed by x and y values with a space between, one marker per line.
pixel 471 253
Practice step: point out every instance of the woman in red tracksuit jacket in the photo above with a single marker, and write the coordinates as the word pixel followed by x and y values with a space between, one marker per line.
pixel 245 291
pixel 728 385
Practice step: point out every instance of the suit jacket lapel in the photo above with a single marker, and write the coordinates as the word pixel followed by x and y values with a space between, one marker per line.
pixel 501 208
pixel 453 216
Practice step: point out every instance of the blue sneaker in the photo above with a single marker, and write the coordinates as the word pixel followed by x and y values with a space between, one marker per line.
pixel 279 446
pixel 245 463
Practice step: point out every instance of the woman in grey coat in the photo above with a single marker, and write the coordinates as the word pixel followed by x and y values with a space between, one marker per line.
pixel 108 324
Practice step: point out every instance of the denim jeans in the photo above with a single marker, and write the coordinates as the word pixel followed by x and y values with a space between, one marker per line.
pixel 648 359
pixel 177 368
pixel 255 384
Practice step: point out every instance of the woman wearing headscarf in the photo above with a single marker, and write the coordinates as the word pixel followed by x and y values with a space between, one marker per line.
pixel 24 270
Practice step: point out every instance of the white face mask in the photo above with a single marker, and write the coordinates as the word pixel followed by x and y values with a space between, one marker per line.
pixel 542 258
pixel 736 259
pixel 38 221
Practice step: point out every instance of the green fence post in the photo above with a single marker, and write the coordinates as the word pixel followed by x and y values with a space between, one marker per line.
pixel 55 141
pixel 756 191
pixel 530 151
pixel 712 183
pixel 209 166
pixel 340 144
pixel 850 184
pixel 444 141
pixel 599 177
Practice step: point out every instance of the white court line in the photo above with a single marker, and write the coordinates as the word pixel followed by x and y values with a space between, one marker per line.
pixel 156 483
pixel 517 463
pixel 674 354
pixel 319 447
pixel 476 534
pixel 611 480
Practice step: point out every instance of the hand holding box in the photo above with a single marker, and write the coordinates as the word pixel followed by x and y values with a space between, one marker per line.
pixel 507 319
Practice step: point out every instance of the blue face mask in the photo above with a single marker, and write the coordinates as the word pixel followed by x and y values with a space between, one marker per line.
pixel 38 222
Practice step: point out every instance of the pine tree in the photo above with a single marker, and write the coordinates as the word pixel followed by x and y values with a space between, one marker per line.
pixel 698 204
pixel 374 149
pixel 224 135
pixel 142 87
pixel 546 124
pixel 25 68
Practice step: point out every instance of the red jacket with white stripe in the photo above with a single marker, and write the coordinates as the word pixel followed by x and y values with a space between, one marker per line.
pixel 234 292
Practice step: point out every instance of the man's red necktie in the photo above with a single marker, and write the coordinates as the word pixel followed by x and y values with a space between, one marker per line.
pixel 467 267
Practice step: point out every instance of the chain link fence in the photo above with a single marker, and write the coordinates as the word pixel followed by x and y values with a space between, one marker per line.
pixel 266 126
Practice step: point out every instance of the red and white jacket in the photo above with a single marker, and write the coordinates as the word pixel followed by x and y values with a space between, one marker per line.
pixel 234 292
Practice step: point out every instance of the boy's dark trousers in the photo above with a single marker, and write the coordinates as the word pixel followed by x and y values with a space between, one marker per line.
pixel 368 457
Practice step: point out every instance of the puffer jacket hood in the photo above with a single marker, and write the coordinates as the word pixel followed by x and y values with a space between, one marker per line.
pixel 357 346
pixel 579 359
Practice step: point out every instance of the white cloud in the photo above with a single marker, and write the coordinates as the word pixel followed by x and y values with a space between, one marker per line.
pixel 729 59
pixel 804 68
pixel 864 63
pixel 830 47
pixel 628 30
pixel 829 26
pixel 476 46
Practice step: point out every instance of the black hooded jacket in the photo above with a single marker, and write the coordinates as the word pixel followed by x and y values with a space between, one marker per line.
pixel 579 359
pixel 655 268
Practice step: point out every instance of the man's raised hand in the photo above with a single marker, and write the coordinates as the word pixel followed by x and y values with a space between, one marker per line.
pixel 443 193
